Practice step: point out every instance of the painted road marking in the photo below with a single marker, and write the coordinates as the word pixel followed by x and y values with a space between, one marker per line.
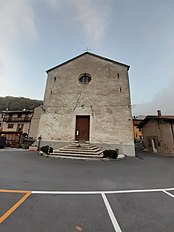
pixel 103 194
pixel 171 195
pixel 111 214
pixel 100 192
pixel 16 205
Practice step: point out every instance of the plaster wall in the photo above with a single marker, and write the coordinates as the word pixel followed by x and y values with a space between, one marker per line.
pixel 26 126
pixel 163 131
pixel 35 122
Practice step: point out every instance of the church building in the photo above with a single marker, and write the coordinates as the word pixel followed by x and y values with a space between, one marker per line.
pixel 87 99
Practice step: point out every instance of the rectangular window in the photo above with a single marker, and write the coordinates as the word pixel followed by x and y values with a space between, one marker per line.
pixel 20 127
pixel 10 125
pixel 19 115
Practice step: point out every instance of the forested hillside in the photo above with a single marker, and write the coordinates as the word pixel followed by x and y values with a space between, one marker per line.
pixel 18 103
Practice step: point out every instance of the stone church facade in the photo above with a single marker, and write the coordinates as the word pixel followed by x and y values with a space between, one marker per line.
pixel 87 99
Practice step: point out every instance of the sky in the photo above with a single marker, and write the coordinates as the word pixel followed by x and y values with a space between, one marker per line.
pixel 36 35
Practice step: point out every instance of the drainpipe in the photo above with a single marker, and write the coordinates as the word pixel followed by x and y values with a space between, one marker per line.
pixel 172 129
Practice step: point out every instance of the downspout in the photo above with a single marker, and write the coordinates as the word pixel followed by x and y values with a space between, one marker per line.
pixel 172 130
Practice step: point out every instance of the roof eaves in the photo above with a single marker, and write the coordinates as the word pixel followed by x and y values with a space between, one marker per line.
pixel 149 117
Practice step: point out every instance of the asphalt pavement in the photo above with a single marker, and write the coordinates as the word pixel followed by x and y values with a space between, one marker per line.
pixel 42 194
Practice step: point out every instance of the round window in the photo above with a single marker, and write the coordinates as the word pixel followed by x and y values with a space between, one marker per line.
pixel 85 78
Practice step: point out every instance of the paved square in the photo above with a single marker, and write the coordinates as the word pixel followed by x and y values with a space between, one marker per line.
pixel 7 200
pixel 134 194
pixel 60 213
pixel 145 212
pixel 10 201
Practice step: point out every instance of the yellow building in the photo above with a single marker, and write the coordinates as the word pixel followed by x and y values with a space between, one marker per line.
pixel 138 135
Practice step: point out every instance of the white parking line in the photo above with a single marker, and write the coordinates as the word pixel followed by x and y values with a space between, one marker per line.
pixel 100 192
pixel 67 192
pixel 103 195
pixel 171 195
pixel 111 214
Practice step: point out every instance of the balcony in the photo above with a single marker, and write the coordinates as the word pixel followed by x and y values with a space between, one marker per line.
pixel 16 119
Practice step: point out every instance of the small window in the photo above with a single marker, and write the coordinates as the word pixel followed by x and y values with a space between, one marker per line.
pixel 19 115
pixel 85 78
pixel 20 127
pixel 10 125
pixel 54 79
pixel 118 75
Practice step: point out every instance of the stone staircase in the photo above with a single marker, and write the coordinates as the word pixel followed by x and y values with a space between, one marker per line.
pixel 79 151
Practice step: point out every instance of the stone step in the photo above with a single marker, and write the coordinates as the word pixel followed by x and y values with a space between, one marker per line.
pixel 78 152
pixel 76 155
pixel 79 149
pixel 81 157
pixel 81 146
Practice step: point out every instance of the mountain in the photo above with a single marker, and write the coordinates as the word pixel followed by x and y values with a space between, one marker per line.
pixel 18 103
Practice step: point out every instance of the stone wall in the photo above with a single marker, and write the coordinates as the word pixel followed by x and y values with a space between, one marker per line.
pixel 106 99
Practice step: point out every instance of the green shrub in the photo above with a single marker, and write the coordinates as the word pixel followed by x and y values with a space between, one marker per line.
pixel 113 154
pixel 47 149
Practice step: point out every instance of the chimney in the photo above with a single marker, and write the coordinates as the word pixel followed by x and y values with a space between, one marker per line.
pixel 159 113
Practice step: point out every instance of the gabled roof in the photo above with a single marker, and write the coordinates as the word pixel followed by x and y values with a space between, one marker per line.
pixel 162 117
pixel 91 54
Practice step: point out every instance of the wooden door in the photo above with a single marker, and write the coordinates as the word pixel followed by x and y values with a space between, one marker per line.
pixel 82 128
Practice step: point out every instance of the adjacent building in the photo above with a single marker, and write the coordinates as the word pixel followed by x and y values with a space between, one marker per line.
pixel 138 135
pixel 158 133
pixel 35 122
pixel 16 126
pixel 87 99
